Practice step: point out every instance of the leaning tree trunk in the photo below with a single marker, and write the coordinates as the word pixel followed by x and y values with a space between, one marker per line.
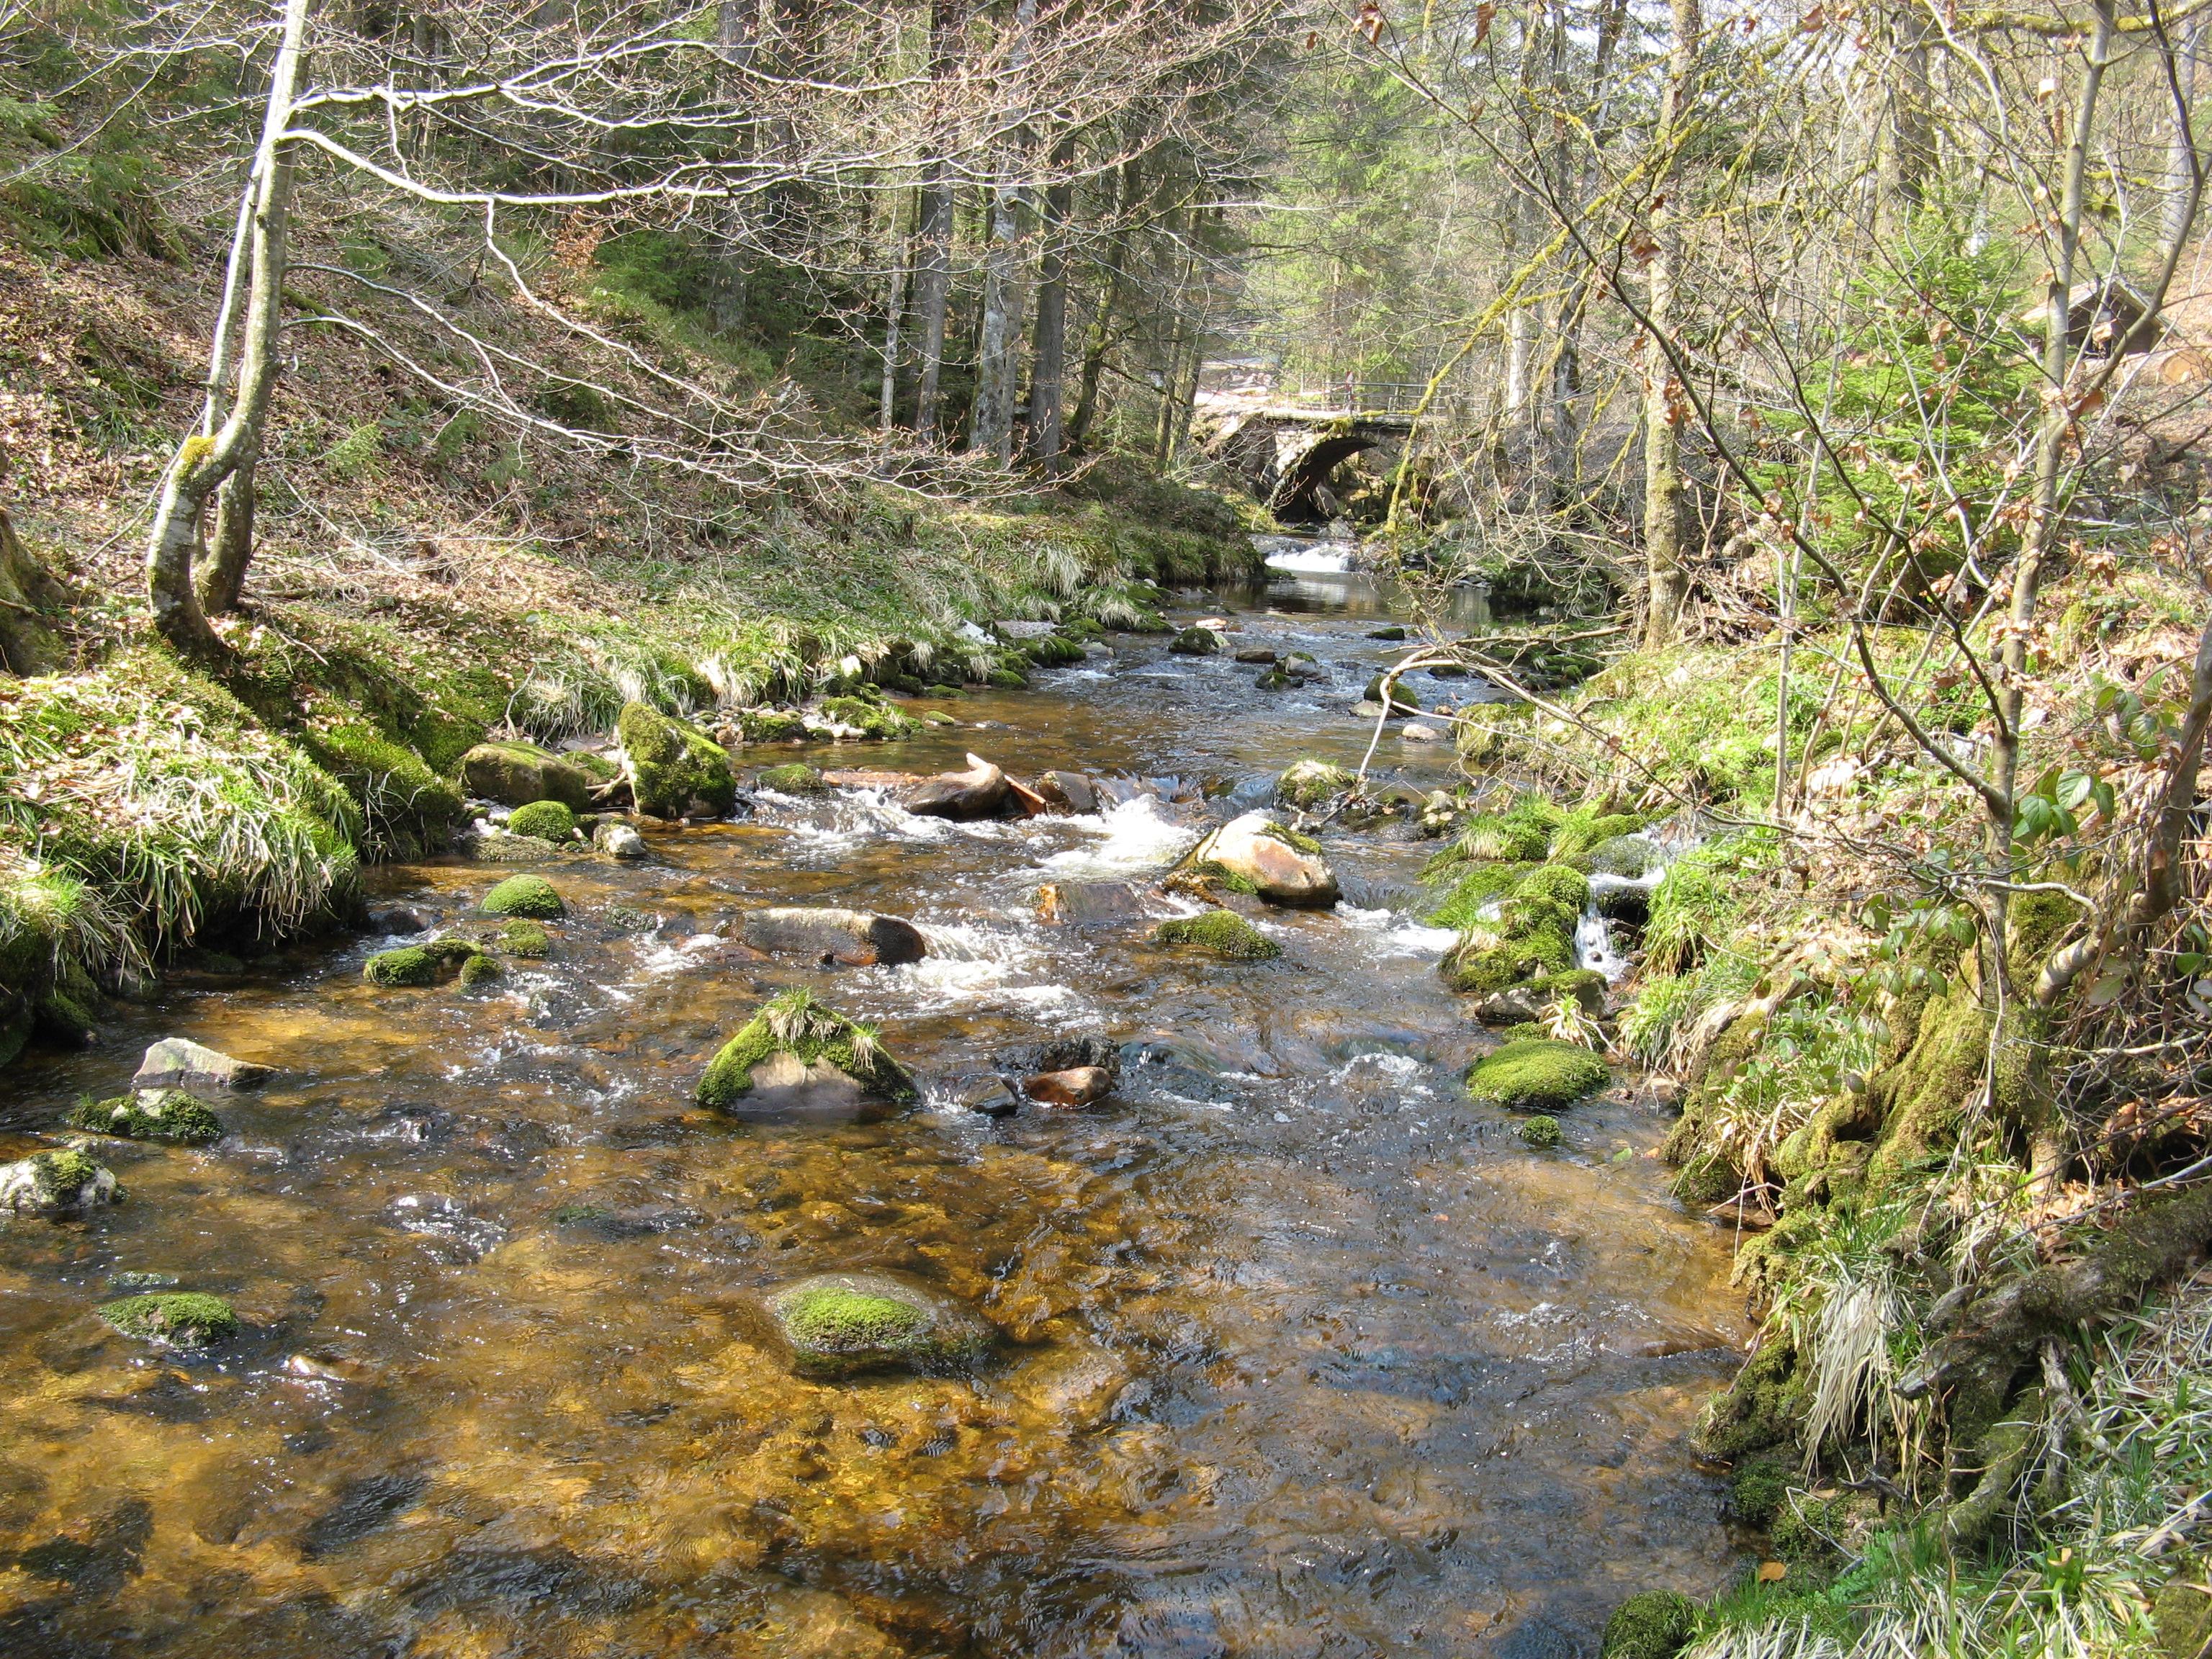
pixel 203 462
pixel 1669 577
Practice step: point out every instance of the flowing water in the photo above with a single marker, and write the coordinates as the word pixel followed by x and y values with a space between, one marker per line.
pixel 1299 1352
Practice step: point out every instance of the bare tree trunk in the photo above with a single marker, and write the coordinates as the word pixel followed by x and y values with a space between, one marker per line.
pixel 2180 149
pixel 1915 119
pixel 894 317
pixel 1099 340
pixel 933 265
pixel 1668 578
pixel 1574 306
pixel 992 428
pixel 1048 350
pixel 203 463
pixel 27 644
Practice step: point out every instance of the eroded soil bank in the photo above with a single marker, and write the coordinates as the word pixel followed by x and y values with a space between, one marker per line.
pixel 1297 1351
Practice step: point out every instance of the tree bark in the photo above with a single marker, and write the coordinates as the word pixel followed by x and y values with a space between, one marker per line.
pixel 933 271
pixel 27 644
pixel 1668 576
pixel 1098 340
pixel 1049 347
pixel 894 317
pixel 991 428
pixel 203 463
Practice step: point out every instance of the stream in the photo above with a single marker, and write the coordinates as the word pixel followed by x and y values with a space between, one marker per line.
pixel 1299 1354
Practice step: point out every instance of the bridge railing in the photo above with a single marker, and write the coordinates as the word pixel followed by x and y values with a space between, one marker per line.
pixel 1373 396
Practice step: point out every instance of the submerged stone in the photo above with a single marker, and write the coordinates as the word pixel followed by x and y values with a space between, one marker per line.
pixel 674 768
pixel 1080 902
pixel 1081 1085
pixel 1223 933
pixel 1071 790
pixel 176 1319
pixel 525 896
pixel 57 1183
pixel 839 1325
pixel 526 938
pixel 855 938
pixel 169 1114
pixel 517 774
pixel 179 1063
pixel 800 1058
pixel 1308 783
pixel 1536 1074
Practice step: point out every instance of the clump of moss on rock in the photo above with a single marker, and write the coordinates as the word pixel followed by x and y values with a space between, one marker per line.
pixel 797 1025
pixel 1224 933
pixel 517 774
pixel 871 716
pixel 418 965
pixel 1541 1131
pixel 674 766
pixel 1533 934
pixel 796 778
pixel 548 820
pixel 838 1324
pixel 479 968
pixel 524 939
pixel 771 725
pixel 525 896
pixel 1656 1625
pixel 61 1182
pixel 176 1319
pixel 1536 1074
pixel 166 1115
pixel 1306 783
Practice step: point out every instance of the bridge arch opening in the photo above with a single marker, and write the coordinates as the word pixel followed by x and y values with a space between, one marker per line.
pixel 1296 498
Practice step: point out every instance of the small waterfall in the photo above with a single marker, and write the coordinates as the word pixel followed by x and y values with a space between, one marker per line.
pixel 1594 945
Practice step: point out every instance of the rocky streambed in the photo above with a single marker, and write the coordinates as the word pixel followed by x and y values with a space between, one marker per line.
pixel 1252 1334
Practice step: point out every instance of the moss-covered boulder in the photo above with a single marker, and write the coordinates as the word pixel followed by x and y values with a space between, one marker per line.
pixel 797 778
pixel 1631 857
pixel 478 970
pixel 1258 856
pixel 1531 934
pixel 418 965
pixel 674 769
pixel 766 725
pixel 1306 783
pixel 871 717
pixel 1400 701
pixel 523 938
pixel 175 1319
pixel 1196 642
pixel 796 1057
pixel 548 820
pixel 1656 1625
pixel 166 1115
pixel 525 896
pixel 1541 1131
pixel 840 1325
pixel 618 840
pixel 517 774
pixel 1536 1074
pixel 62 1183
pixel 1055 651
pixel 1221 932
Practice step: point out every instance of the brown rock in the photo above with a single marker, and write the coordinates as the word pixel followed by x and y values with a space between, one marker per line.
pixel 1071 790
pixel 1079 902
pixel 1080 1087
pixel 980 792
pixel 856 938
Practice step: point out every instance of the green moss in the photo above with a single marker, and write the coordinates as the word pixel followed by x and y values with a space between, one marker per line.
pixel 874 718
pixel 1541 1131
pixel 1583 830
pixel 1007 679
pixel 416 965
pixel 673 764
pixel 169 1114
pixel 1053 650
pixel 525 896
pixel 1306 783
pixel 1294 839
pixel 1560 884
pixel 1196 642
pixel 1534 1073
pixel 1482 885
pixel 408 808
pixel 1759 1488
pixel 796 779
pixel 796 1023
pixel 526 938
pixel 1763 1408
pixel 1532 935
pixel 842 1319
pixel 549 820
pixel 771 725
pixel 1206 873
pixel 1656 1625
pixel 520 773
pixel 1224 933
pixel 1585 987
pixel 479 968
pixel 180 1319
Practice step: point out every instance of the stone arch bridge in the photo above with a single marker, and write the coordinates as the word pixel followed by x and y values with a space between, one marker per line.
pixel 1283 450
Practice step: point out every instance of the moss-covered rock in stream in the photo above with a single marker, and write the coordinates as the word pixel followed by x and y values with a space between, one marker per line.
pixel 165 1114
pixel 1196 642
pixel 871 716
pixel 479 970
pixel 533 896
pixel 417 965
pixel 517 774
pixel 174 1318
pixel 838 1324
pixel 797 778
pixel 1306 784
pixel 62 1182
pixel 1221 932
pixel 796 1056
pixel 1400 701
pixel 548 820
pixel 1541 1132
pixel 1656 1625
pixel 765 725
pixel 523 938
pixel 1536 1074
pixel 1256 854
pixel 1531 935
pixel 407 809
pixel 674 768
pixel 1055 651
